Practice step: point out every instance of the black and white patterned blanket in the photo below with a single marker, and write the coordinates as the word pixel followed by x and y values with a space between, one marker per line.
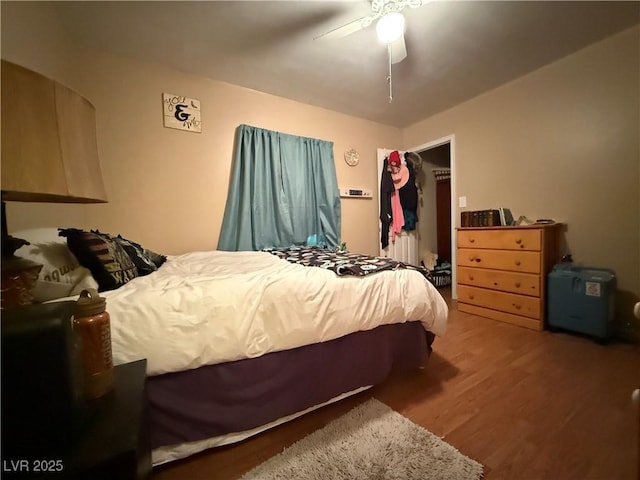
pixel 342 263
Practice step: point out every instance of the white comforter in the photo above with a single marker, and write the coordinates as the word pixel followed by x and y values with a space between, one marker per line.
pixel 204 308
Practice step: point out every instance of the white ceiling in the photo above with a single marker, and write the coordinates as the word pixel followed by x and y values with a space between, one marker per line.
pixel 456 49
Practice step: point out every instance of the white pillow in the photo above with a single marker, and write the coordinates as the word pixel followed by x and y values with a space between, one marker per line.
pixel 61 274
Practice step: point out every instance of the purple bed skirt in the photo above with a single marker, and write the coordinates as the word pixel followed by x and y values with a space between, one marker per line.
pixel 236 396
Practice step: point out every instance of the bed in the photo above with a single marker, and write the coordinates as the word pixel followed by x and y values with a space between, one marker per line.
pixel 238 342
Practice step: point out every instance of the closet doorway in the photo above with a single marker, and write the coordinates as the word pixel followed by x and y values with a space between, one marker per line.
pixel 437 198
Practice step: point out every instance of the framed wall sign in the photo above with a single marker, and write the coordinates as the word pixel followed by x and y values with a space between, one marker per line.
pixel 181 112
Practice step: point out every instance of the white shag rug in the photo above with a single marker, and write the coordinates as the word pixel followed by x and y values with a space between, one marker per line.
pixel 371 442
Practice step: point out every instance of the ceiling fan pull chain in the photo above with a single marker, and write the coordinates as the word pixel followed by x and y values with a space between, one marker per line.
pixel 389 77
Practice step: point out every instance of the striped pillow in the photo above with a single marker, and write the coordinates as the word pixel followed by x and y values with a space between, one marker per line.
pixel 109 264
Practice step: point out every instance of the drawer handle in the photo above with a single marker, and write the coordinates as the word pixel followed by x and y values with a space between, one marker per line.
pixel 517 263
pixel 470 277
pixel 470 297
pixel 518 307
pixel 478 259
pixel 517 284
pixel 472 240
pixel 518 241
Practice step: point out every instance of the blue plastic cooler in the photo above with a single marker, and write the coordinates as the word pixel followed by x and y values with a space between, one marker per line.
pixel 581 299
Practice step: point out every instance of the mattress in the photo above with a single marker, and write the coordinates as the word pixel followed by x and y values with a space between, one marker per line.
pixel 205 308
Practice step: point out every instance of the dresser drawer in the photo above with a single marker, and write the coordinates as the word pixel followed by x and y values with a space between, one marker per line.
pixel 508 239
pixel 502 301
pixel 532 323
pixel 528 262
pixel 523 283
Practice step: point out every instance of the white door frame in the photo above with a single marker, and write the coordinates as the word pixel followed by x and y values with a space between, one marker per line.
pixel 450 139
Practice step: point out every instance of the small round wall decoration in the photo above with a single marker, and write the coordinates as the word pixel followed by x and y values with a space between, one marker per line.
pixel 352 157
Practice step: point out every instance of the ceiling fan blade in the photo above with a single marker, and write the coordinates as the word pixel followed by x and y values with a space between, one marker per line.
pixel 398 50
pixel 347 29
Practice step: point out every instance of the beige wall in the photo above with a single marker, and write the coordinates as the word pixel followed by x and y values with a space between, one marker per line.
pixel 29 36
pixel 167 188
pixel 562 142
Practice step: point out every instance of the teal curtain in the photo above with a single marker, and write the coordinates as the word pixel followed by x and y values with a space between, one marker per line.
pixel 283 192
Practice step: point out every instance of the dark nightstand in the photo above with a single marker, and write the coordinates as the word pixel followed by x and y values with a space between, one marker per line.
pixel 112 444
pixel 116 441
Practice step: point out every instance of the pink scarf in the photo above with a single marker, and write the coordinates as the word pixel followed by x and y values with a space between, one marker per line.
pixel 397 215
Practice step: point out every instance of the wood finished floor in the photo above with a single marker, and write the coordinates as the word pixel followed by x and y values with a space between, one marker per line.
pixel 525 404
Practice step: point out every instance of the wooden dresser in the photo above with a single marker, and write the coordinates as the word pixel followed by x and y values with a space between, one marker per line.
pixel 502 271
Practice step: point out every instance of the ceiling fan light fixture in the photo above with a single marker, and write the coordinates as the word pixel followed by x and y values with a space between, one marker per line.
pixel 390 27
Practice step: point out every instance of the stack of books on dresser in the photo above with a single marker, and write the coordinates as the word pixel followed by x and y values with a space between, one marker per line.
pixel 486 218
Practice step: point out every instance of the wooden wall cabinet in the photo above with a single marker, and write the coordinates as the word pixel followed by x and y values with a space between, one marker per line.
pixel 502 272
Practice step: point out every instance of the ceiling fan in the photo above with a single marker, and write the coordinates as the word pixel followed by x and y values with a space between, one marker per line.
pixel 389 28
